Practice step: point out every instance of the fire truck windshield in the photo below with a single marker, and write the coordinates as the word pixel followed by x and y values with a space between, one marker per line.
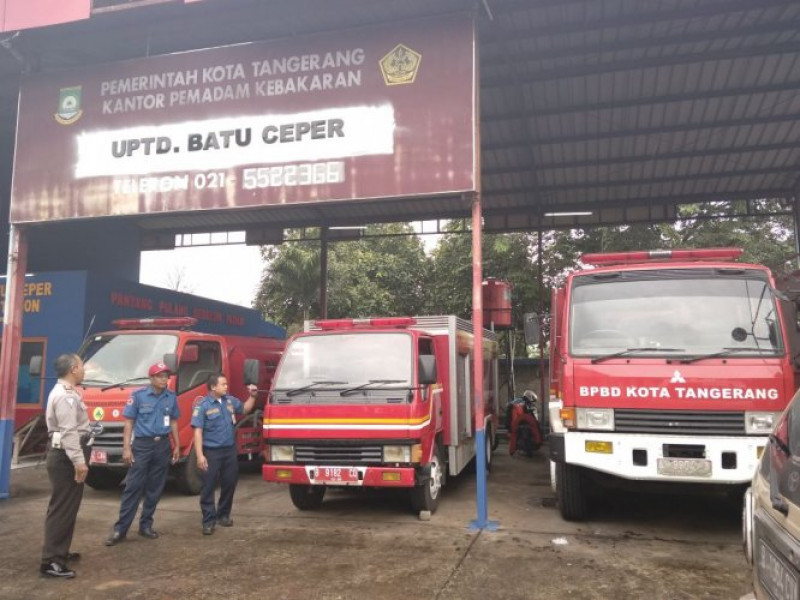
pixel 657 312
pixel 114 357
pixel 351 359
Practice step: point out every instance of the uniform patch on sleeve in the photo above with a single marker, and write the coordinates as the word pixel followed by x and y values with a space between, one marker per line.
pixel 196 411
pixel 130 401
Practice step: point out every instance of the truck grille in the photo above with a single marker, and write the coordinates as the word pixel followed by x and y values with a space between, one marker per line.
pixel 679 422
pixel 111 436
pixel 345 454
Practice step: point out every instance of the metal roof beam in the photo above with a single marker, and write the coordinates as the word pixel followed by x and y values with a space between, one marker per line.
pixel 557 73
pixel 641 158
pixel 636 102
pixel 731 195
pixel 683 13
pixel 621 133
pixel 628 182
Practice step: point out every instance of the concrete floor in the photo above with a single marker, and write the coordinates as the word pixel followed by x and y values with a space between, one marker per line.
pixel 369 545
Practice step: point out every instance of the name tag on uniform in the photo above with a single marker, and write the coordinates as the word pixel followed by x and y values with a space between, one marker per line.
pixel 166 420
pixel 212 411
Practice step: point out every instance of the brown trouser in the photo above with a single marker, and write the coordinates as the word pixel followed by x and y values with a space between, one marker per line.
pixel 65 500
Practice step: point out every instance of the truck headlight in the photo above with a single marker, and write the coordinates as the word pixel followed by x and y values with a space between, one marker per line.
pixel 760 421
pixel 598 419
pixel 397 454
pixel 281 453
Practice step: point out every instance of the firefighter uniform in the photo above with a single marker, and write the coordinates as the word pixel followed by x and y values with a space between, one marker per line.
pixel 152 415
pixel 216 417
pixel 67 419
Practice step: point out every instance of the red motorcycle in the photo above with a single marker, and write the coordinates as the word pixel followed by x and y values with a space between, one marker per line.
pixel 525 432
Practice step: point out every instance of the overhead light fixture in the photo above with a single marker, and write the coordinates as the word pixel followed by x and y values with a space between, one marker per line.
pixel 569 214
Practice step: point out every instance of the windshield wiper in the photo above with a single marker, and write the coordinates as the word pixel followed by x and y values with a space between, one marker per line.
pixel 627 351
pixel 370 383
pixel 726 352
pixel 300 390
pixel 124 383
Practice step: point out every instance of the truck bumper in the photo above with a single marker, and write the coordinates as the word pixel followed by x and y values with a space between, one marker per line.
pixel 729 460
pixel 367 476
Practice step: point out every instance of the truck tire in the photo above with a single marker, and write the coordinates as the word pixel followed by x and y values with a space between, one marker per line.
pixel 571 492
pixel 104 479
pixel 306 497
pixel 188 476
pixel 426 496
pixel 489 448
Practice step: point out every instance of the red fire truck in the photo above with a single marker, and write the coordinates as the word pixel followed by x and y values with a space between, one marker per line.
pixel 382 402
pixel 666 366
pixel 117 362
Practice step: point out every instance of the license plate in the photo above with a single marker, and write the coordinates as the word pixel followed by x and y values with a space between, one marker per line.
pixel 775 575
pixel 98 457
pixel 336 475
pixel 684 467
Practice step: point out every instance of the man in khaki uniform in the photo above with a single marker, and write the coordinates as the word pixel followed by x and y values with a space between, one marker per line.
pixel 68 428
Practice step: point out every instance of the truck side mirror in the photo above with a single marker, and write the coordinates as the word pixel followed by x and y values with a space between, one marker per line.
pixel 426 369
pixel 530 323
pixel 35 366
pixel 191 354
pixel 251 371
pixel 171 360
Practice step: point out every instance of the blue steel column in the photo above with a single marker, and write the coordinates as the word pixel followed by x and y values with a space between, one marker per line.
pixel 9 355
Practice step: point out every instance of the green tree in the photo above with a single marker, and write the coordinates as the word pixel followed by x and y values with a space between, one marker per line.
pixel 382 274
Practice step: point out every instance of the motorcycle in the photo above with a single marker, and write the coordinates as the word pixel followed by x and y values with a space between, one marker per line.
pixel 525 433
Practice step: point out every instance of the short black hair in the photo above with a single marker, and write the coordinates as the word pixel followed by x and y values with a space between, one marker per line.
pixel 213 379
pixel 65 363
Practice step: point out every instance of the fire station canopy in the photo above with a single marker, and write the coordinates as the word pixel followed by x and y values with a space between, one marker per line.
pixel 622 109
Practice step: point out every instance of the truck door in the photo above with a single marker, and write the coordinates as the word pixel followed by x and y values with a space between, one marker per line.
pixel 464 401
pixel 193 375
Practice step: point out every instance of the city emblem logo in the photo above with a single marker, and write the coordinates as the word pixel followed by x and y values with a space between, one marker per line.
pixel 677 378
pixel 98 414
pixel 400 66
pixel 69 105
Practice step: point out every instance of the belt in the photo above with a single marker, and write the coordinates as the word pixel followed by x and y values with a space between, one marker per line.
pixel 155 438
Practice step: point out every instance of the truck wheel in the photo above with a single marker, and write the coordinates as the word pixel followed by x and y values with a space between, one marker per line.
pixel 104 479
pixel 571 492
pixel 188 476
pixel 306 497
pixel 489 448
pixel 426 496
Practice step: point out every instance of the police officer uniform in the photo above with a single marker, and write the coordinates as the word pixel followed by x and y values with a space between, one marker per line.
pixel 152 415
pixel 216 417
pixel 68 429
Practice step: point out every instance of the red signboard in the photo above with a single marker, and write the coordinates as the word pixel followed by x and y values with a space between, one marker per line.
pixel 373 113
pixel 25 14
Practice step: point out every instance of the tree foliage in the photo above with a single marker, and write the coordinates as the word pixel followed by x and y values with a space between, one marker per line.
pixel 383 274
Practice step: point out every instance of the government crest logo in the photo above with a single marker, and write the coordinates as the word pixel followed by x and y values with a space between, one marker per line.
pixel 400 65
pixel 69 105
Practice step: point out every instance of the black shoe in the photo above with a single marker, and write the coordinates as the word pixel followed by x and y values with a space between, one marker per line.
pixel 73 556
pixel 115 538
pixel 54 569
pixel 225 521
pixel 148 533
pixel 208 529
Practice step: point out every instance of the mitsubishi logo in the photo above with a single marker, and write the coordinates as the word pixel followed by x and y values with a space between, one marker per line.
pixel 677 378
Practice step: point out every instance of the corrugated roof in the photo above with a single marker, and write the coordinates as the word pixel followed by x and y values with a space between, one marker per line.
pixel 597 104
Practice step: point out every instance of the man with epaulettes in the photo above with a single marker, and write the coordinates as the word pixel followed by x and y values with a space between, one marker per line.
pixel 214 423
pixel 67 456
pixel 151 416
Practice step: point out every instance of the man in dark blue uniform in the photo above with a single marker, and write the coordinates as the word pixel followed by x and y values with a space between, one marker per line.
pixel 214 422
pixel 151 415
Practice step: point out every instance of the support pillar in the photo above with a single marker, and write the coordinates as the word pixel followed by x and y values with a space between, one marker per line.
pixel 482 520
pixel 10 352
